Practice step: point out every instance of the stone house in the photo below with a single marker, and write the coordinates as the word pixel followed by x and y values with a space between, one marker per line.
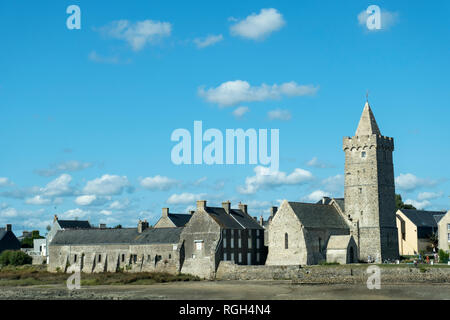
pixel 444 232
pixel 172 220
pixel 299 234
pixel 215 234
pixel 8 240
pixel 415 228
pixel 109 250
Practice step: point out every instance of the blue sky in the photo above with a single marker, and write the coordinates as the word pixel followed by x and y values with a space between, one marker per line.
pixel 87 114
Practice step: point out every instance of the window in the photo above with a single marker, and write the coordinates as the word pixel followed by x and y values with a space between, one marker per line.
pixel 74 258
pixel 286 241
pixel 232 257
pixel 257 233
pixel 258 242
pixel 232 243
pixel 249 258
pixel 448 236
pixel 239 243
pixel 123 258
pixel 148 257
pixel 360 190
pixel 240 257
pixel 224 241
pixel 320 245
pixel 363 154
pixel 448 226
pixel 170 256
pixel 239 233
pixel 225 256
pixel 257 257
pixel 198 244
pixel 135 258
pixel 99 258
pixel 250 243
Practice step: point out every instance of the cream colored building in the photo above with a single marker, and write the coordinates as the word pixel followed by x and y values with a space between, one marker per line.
pixel 415 228
pixel 444 232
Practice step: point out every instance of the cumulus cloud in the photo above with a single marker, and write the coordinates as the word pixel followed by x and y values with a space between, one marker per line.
pixel 258 26
pixel 409 182
pixel 208 41
pixel 67 166
pixel 316 163
pixel 418 204
pixel 264 178
pixel 234 92
pixel 334 184
pixel 73 214
pixel 185 198
pixel 137 34
pixel 158 183
pixel 37 200
pixel 387 19
pixel 316 195
pixel 58 187
pixel 95 57
pixel 106 185
pixel 9 213
pixel 91 200
pixel 4 182
pixel 119 205
pixel 240 111
pixel 429 195
pixel 279 114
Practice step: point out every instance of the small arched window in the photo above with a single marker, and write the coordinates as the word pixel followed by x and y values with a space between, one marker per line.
pixel 286 241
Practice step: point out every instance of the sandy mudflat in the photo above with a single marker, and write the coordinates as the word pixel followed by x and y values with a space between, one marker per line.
pixel 231 290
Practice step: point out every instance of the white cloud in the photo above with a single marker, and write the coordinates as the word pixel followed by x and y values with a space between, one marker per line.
pixel 429 195
pixel 4 205
pixel 409 182
pixel 316 195
pixel 86 200
pixel 106 185
pixel 58 187
pixel 185 198
pixel 264 178
pixel 37 200
pixel 4 182
pixel 208 41
pixel 137 34
pixel 73 213
pixel 240 111
pixel 158 183
pixel 314 162
pixel 233 92
pixel 9 213
pixel 334 184
pixel 119 205
pixel 279 114
pixel 418 204
pixel 106 212
pixel 67 166
pixel 258 26
pixel 95 57
pixel 387 19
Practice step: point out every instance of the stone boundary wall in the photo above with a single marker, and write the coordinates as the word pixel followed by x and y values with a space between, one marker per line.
pixel 341 274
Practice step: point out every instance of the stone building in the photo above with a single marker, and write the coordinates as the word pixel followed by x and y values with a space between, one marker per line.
pixel 8 240
pixel 215 234
pixel 444 232
pixel 109 250
pixel 415 229
pixel 301 233
pixel 172 220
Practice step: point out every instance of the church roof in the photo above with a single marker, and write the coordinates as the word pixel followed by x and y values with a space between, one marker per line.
pixel 367 124
pixel 314 215
pixel 96 236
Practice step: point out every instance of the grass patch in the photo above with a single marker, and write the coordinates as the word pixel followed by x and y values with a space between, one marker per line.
pixel 38 275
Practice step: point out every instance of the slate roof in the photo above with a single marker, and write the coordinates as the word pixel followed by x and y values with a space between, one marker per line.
pixel 341 203
pixel 2 233
pixel 95 236
pixel 74 224
pixel 423 218
pixel 178 219
pixel 313 215
pixel 237 219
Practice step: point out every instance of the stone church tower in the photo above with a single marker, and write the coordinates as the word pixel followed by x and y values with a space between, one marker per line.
pixel 369 190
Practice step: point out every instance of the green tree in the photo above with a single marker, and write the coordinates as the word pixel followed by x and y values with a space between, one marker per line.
pixel 443 256
pixel 28 242
pixel 15 258
pixel 399 204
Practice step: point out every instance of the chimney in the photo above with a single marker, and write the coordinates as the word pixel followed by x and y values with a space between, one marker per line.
pixel 325 200
pixel 261 220
pixel 243 207
pixel 102 226
pixel 165 212
pixel 191 212
pixel 8 227
pixel 55 218
pixel 142 226
pixel 273 211
pixel 255 218
pixel 227 206
pixel 201 204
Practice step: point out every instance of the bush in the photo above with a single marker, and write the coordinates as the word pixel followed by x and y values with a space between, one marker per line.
pixel 443 256
pixel 14 258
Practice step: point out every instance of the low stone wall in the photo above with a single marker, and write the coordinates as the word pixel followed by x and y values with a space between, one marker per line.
pixel 352 274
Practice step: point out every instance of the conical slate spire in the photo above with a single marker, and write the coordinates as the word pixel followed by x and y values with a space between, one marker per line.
pixel 367 124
